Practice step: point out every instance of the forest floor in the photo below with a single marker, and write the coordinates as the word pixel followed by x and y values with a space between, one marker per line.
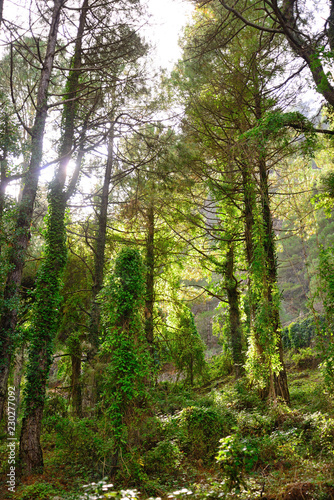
pixel 268 452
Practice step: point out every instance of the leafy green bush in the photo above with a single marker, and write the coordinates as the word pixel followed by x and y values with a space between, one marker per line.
pixel 185 346
pixel 304 358
pixel 38 491
pixel 55 407
pixel 171 398
pixel 299 334
pixel 85 442
pixel 164 458
pixel 280 446
pixel 319 431
pixel 131 470
pixel 202 428
pixel 220 365
pixel 327 367
pixel 236 455
pixel 254 423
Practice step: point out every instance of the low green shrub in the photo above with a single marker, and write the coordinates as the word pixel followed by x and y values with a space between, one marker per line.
pixel 202 428
pixel 305 358
pixel 38 491
pixel 241 397
pixel 220 365
pixel 236 456
pixel 87 443
pixel 131 469
pixel 171 398
pixel 319 432
pixel 254 423
pixel 164 458
pixel 55 407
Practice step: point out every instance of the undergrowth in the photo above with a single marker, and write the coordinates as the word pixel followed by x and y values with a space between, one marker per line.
pixel 221 443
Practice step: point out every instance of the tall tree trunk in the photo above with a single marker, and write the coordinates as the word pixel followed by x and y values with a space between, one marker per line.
pixel 21 235
pixel 280 382
pixel 43 331
pixel 47 295
pixel 149 300
pixel 3 187
pixel 76 394
pixel 249 208
pixel 231 284
pixel 249 201
pixel 99 254
pixel 1 11
pixel 18 372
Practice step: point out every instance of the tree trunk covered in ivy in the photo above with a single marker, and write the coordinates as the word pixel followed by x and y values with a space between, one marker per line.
pixel 3 186
pixel 21 236
pixel 43 330
pixel 124 299
pixel 280 382
pixel 47 292
pixel 100 243
pixel 276 385
pixel 248 189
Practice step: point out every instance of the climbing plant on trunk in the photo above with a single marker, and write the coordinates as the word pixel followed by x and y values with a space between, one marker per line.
pixel 46 306
pixel 21 235
pixel 122 302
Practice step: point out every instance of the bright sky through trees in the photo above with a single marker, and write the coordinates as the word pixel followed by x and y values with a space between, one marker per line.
pixel 169 16
pixel 163 29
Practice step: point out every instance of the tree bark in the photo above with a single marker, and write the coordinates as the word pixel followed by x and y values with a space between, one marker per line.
pixel 76 394
pixel 234 314
pixel 1 11
pixel 21 235
pixel 149 301
pixel 99 253
pixel 45 317
pixel 43 331
pixel 280 382
pixel 18 372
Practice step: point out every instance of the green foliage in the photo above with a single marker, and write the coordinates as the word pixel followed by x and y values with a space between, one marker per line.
pixel 202 427
pixel 86 444
pixel 304 358
pixel 319 432
pixel 219 365
pixel 122 300
pixel 38 491
pixel 186 348
pixel 47 301
pixel 9 135
pixel 55 406
pixel 299 334
pixel 326 268
pixel 264 296
pixel 164 458
pixel 327 182
pixel 236 456
pixel 275 124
